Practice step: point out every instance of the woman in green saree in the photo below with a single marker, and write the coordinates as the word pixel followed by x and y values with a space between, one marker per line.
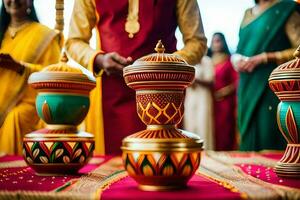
pixel 269 34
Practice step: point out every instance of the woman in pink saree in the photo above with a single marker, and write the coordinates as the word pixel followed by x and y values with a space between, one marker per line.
pixel 224 94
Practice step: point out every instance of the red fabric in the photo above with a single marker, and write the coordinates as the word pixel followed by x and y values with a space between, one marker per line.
pixel 224 109
pixel 18 179
pixel 24 178
pixel 198 188
pixel 267 174
pixel 91 166
pixel 273 155
pixel 157 21
pixel 8 158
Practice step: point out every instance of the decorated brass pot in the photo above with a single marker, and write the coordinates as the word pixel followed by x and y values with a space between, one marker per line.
pixel 285 82
pixel 62 102
pixel 161 157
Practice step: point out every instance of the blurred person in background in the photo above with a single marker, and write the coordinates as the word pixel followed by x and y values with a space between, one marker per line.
pixel 198 105
pixel 269 34
pixel 224 94
pixel 26 46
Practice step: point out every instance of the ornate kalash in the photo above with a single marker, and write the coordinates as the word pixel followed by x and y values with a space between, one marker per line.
pixel 285 82
pixel 62 103
pixel 161 157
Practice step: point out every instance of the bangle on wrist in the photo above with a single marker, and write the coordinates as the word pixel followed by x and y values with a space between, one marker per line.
pixel 265 58
pixel 271 57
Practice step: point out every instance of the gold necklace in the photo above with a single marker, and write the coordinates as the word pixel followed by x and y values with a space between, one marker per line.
pixel 13 30
pixel 132 25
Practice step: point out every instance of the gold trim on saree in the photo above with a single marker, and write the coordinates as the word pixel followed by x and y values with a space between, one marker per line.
pixel 43 45
pixel 250 17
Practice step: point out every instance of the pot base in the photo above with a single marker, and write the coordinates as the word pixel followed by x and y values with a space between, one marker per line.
pixel 62 151
pixel 289 165
pixel 161 187
pixel 287 170
pixel 56 169
pixel 161 183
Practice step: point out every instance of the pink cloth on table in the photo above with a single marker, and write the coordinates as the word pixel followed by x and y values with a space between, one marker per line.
pixel 273 155
pixel 91 166
pixel 24 178
pixel 11 179
pixel 198 188
pixel 8 158
pixel 267 174
pixel 264 173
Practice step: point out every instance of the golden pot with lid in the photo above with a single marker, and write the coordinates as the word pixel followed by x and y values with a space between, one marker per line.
pixel 161 157
pixel 62 103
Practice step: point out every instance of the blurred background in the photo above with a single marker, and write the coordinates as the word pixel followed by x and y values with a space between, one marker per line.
pixel 217 15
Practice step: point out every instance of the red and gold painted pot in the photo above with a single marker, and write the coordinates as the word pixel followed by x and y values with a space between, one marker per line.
pixel 62 103
pixel 62 150
pixel 161 157
pixel 285 82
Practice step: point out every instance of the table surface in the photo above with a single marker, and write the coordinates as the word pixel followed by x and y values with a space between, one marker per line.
pixel 222 175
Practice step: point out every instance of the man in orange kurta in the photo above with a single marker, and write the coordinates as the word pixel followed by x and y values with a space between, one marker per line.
pixel 127 30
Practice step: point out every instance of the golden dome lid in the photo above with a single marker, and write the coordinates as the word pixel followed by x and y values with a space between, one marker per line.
pixel 285 79
pixel 161 56
pixel 61 76
pixel 159 61
pixel 289 69
pixel 62 66
pixel 159 70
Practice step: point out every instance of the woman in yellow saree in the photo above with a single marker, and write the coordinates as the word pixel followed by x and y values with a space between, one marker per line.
pixel 25 47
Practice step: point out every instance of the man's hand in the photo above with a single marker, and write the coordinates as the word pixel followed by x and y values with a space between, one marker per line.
pixel 7 62
pixel 112 63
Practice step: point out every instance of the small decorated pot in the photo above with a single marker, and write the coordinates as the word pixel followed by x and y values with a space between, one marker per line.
pixel 62 103
pixel 285 82
pixel 58 151
pixel 161 157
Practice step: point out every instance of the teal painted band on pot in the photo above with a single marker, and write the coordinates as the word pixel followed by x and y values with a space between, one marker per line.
pixel 56 108
pixel 286 116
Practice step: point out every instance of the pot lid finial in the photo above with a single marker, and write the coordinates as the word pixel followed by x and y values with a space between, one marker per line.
pixel 160 60
pixel 64 57
pixel 159 48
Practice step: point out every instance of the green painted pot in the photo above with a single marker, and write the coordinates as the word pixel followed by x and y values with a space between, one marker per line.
pixel 285 83
pixel 56 108
pixel 62 102
pixel 288 119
